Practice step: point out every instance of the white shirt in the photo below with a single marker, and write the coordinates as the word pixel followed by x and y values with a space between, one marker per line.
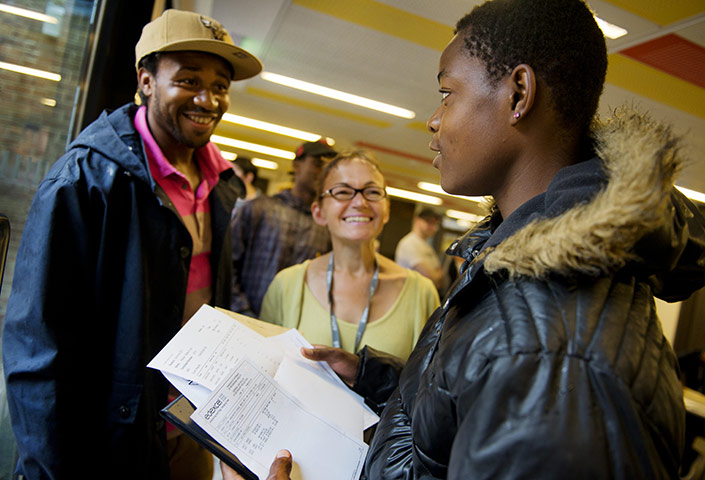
pixel 413 251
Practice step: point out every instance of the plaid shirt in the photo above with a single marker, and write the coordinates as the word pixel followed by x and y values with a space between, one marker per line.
pixel 268 235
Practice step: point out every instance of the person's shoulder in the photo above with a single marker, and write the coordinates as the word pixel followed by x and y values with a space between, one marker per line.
pixel 287 283
pixel 415 276
pixel 292 272
pixel 317 265
pixel 263 212
pixel 422 283
pixel 290 205
pixel 270 204
pixel 256 206
pixel 408 244
pixel 108 142
pixel 85 165
pixel 406 238
pixel 391 268
pixel 109 126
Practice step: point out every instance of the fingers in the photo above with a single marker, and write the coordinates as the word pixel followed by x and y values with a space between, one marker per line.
pixel 281 467
pixel 343 363
pixel 318 352
pixel 229 473
pixel 309 353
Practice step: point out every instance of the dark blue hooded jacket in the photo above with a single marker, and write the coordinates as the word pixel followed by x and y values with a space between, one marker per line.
pixel 99 289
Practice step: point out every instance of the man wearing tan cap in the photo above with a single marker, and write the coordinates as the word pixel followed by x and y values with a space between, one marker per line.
pixel 126 238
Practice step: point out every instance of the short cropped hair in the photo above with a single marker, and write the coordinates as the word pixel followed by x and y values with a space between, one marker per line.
pixel 246 166
pixel 429 215
pixel 559 39
pixel 151 64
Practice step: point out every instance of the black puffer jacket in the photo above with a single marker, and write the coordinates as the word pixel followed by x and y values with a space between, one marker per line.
pixel 547 358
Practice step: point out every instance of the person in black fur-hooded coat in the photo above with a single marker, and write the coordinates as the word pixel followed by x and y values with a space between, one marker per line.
pixel 546 359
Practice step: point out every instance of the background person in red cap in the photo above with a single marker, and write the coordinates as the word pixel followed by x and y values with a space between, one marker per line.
pixel 272 233
pixel 126 238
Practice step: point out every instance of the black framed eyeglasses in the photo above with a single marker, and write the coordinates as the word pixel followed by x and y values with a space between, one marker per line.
pixel 346 192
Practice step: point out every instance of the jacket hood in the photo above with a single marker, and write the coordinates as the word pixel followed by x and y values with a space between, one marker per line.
pixel 598 230
pixel 114 134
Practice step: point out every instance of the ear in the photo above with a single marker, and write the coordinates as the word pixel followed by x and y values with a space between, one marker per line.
pixel 145 82
pixel 523 86
pixel 317 214
pixel 385 219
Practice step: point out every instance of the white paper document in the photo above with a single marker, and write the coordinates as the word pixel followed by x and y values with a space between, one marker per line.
pixel 206 348
pixel 257 395
pixel 253 417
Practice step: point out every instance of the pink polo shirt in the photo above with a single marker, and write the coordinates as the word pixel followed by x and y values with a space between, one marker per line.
pixel 193 207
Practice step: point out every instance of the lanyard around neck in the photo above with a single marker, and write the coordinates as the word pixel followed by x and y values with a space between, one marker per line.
pixel 335 332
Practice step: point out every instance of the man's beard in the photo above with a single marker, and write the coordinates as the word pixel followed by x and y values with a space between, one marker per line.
pixel 173 128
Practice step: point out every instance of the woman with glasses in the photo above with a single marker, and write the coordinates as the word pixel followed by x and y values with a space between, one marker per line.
pixel 352 296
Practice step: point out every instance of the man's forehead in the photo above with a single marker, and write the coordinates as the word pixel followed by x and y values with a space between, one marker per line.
pixel 197 61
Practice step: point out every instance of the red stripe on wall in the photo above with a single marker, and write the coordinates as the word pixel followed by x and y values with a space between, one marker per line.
pixel 674 55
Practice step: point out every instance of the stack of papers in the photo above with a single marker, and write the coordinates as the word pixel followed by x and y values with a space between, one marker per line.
pixel 256 395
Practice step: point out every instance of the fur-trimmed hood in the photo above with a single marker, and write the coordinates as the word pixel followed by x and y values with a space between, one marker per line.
pixel 595 216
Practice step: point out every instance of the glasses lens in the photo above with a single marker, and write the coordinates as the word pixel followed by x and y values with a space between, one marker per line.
pixel 342 193
pixel 373 194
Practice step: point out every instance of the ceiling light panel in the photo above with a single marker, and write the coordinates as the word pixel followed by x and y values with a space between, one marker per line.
pixel 692 194
pixel 359 59
pixel 55 77
pixel 337 95
pixel 228 155
pixel 23 12
pixel 252 147
pixel 271 127
pixel 435 188
pixel 610 30
pixel 267 164
pixel 468 217
pixel 417 197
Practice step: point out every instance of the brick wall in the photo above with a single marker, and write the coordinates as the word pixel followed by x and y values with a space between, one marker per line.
pixel 33 135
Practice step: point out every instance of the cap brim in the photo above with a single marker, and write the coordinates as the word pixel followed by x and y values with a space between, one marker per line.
pixel 245 65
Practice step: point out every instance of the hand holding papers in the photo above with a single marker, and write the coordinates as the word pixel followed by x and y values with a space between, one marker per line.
pixel 258 395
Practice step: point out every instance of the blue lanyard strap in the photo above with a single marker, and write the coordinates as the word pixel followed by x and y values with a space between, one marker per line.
pixel 335 332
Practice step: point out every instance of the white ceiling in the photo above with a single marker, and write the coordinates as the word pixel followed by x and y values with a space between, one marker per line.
pixel 359 46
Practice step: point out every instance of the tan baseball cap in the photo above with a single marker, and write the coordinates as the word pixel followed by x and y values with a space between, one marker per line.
pixel 177 30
